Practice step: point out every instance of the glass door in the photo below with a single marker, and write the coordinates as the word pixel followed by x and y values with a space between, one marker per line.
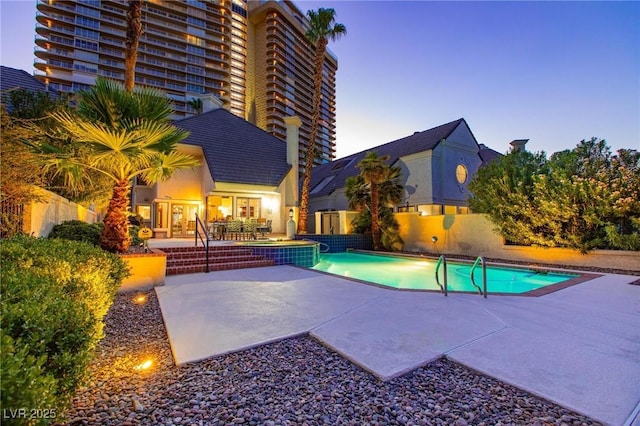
pixel 183 220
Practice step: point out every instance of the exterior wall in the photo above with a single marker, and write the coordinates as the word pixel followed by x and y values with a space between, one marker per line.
pixel 147 270
pixel 341 222
pixel 40 218
pixel 473 235
pixel 417 174
pixel 459 148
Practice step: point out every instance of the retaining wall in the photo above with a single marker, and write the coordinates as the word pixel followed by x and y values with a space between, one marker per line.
pixel 473 235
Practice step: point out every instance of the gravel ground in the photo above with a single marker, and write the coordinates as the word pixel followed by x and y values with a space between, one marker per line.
pixel 292 382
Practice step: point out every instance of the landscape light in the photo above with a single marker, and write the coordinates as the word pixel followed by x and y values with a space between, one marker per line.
pixel 144 366
pixel 140 299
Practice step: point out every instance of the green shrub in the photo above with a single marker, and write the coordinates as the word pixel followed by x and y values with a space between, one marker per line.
pixel 77 230
pixel 55 294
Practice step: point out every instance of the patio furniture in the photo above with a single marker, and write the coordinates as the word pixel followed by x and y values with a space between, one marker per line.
pixel 264 228
pixel 234 229
pixel 249 230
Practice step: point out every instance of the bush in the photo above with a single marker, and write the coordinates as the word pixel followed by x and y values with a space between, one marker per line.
pixel 77 230
pixel 55 294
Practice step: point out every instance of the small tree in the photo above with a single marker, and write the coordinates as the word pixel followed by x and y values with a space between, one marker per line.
pixel 120 135
pixel 20 173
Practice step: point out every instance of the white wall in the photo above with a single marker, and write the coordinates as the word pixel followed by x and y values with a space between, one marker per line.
pixel 473 235
pixel 40 218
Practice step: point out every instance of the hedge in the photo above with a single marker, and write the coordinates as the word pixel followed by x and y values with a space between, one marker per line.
pixel 77 230
pixel 55 295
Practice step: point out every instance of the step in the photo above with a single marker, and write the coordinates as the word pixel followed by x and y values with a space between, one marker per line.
pixel 213 259
pixel 197 254
pixel 192 269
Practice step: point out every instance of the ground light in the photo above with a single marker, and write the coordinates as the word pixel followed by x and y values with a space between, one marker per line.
pixel 145 365
pixel 140 299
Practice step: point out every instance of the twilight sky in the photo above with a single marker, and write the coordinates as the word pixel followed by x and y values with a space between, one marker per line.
pixel 551 72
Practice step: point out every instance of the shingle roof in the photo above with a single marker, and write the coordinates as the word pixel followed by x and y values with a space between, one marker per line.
pixel 334 174
pixel 487 155
pixel 236 150
pixel 13 78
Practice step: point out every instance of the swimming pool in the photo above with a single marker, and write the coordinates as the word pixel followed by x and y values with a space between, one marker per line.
pixel 410 273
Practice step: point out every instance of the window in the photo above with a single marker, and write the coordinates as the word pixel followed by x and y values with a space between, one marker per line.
pixel 88 45
pixel 247 208
pixel 461 174
pixel 219 207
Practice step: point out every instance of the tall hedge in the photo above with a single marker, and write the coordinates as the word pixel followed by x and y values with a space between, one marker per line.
pixel 584 198
pixel 55 295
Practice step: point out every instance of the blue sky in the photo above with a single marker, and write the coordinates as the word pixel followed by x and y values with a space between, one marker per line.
pixel 551 72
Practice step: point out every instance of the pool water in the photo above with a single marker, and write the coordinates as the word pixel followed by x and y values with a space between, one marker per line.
pixel 419 274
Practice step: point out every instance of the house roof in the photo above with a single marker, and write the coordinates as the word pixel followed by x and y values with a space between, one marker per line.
pixel 13 78
pixel 327 177
pixel 236 150
pixel 487 155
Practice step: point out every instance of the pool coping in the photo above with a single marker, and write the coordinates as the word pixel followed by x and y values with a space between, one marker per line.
pixel 542 291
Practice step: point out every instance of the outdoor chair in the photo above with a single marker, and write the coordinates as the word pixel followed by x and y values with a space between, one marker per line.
pixel 234 229
pixel 249 229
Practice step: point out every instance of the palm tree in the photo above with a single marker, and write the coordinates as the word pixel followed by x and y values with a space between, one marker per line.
pixel 390 192
pixel 321 29
pixel 374 172
pixel 120 135
pixel 196 104
pixel 134 31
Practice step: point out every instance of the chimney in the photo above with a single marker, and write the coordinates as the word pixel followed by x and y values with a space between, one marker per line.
pixel 210 102
pixel 293 124
pixel 518 144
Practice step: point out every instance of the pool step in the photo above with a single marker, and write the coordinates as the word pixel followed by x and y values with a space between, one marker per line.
pixel 189 260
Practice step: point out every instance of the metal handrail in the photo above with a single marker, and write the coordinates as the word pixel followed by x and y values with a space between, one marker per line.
pixel 442 261
pixel 483 290
pixel 199 225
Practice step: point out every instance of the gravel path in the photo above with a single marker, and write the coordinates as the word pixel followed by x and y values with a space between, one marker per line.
pixel 292 382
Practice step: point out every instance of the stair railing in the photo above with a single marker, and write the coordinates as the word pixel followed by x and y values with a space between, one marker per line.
pixel 202 230
pixel 443 287
pixel 483 290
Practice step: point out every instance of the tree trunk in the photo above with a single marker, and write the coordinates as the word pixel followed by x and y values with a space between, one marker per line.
pixel 134 30
pixel 375 206
pixel 115 233
pixel 321 48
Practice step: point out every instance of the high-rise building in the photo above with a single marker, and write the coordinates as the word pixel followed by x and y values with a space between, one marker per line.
pixel 253 56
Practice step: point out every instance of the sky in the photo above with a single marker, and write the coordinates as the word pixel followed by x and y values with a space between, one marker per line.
pixel 551 72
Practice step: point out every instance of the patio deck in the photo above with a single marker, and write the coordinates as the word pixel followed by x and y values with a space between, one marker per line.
pixel 578 347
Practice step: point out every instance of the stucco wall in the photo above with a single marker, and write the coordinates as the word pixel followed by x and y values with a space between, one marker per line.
pixel 473 235
pixel 40 218
pixel 147 270
pixel 459 148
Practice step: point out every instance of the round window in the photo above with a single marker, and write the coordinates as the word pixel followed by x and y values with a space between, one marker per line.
pixel 461 173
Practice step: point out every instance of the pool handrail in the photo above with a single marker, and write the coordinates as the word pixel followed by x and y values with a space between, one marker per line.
pixel 442 260
pixel 319 245
pixel 483 290
pixel 199 225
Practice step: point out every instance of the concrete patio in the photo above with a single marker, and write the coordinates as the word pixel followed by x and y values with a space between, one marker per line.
pixel 578 347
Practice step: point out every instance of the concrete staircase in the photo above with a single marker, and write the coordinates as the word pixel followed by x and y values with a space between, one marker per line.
pixel 189 260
